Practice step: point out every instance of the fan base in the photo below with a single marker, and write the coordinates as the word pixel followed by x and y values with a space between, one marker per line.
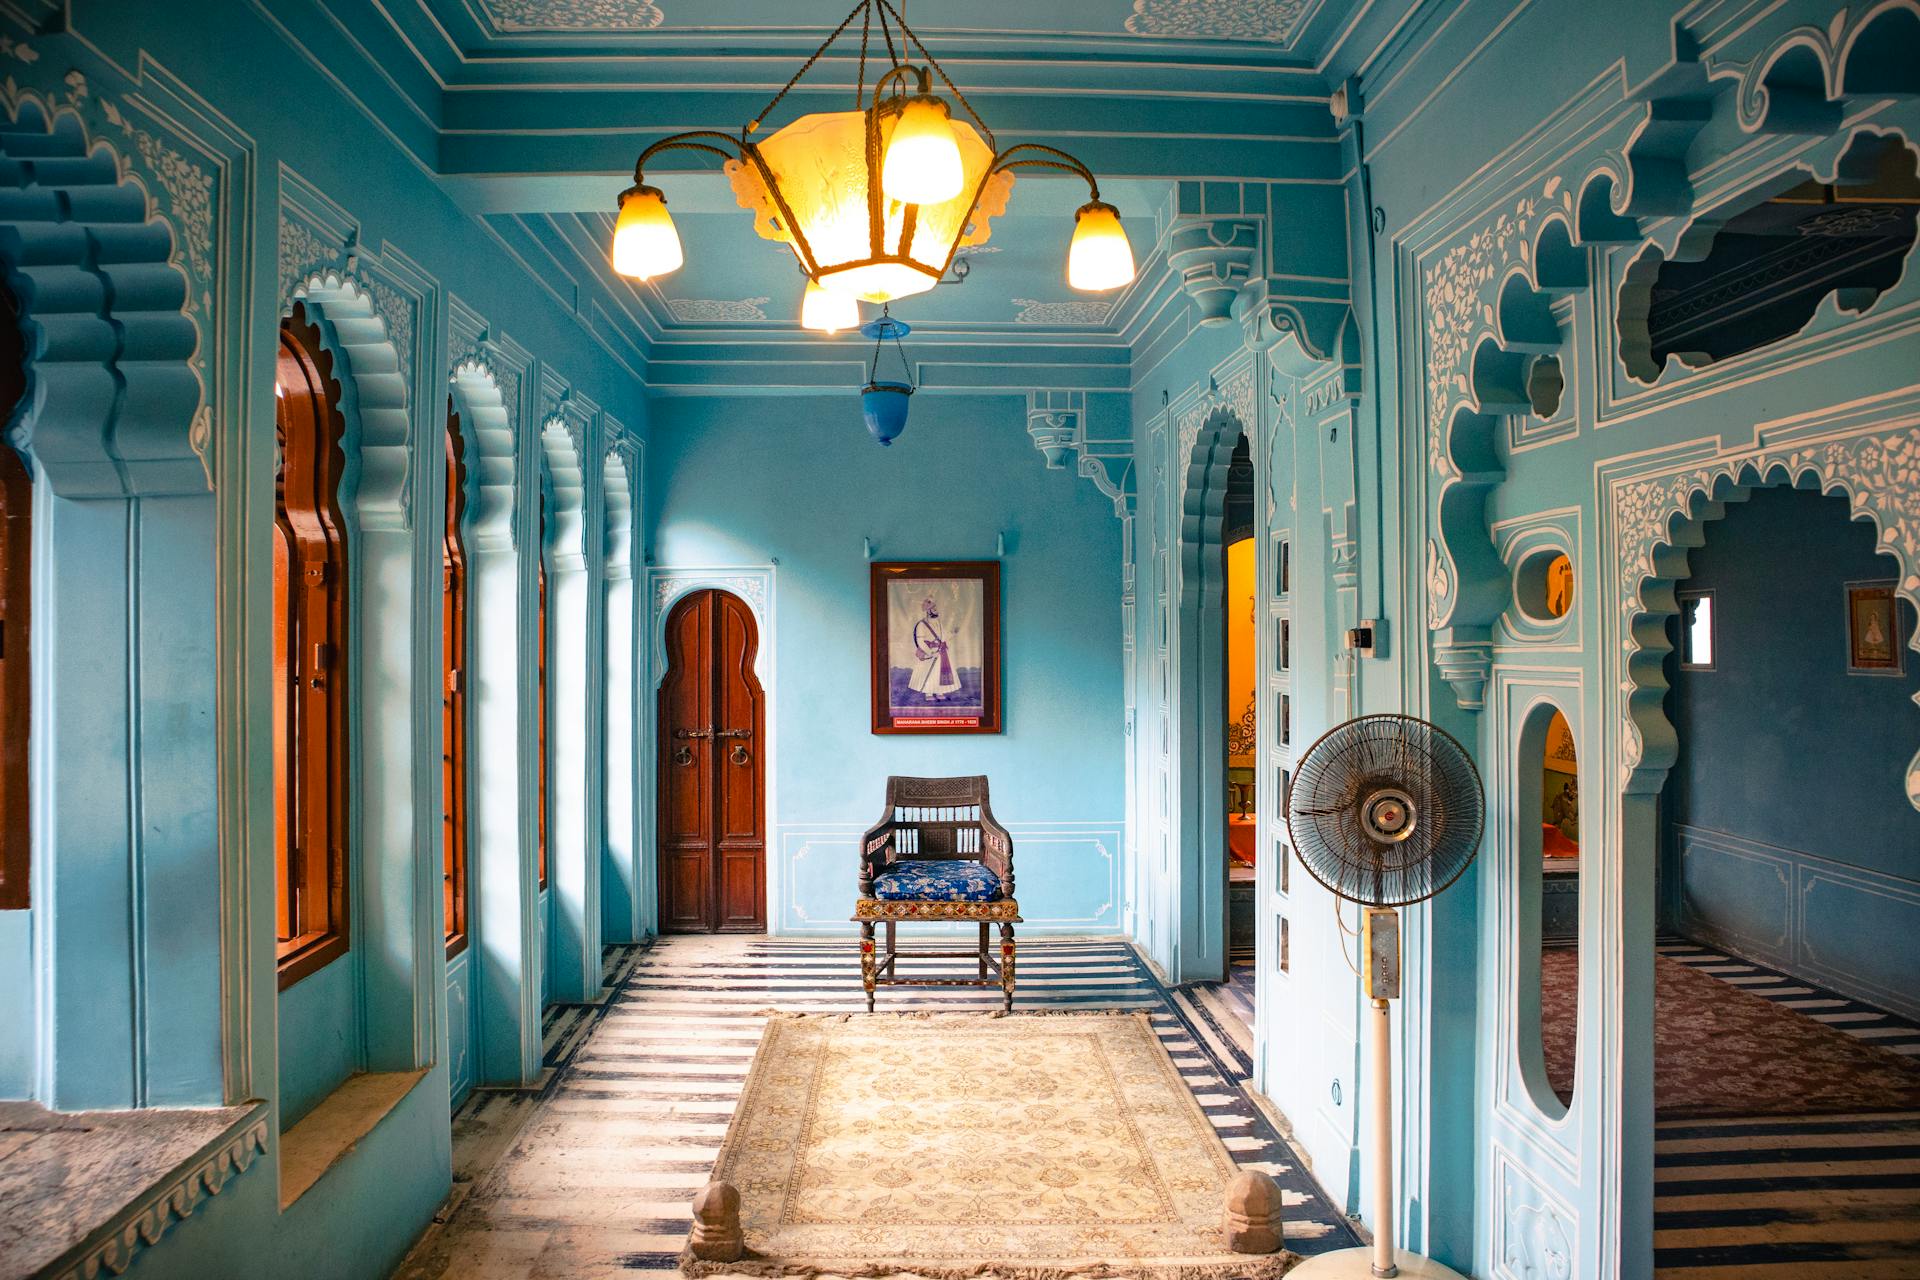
pixel 1357 1264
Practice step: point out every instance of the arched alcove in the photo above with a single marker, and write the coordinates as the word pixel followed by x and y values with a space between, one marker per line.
pixel 573 878
pixel 126 916
pixel 621 888
pixel 508 963
pixel 1546 840
pixel 392 890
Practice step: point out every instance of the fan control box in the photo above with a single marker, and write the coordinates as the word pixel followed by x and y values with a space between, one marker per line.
pixel 1380 944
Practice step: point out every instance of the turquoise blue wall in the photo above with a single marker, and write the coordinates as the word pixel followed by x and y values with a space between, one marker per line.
pixel 1791 842
pixel 813 486
pixel 264 172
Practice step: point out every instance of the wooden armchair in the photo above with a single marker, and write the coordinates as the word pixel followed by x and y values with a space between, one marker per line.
pixel 937 854
pixel 936 820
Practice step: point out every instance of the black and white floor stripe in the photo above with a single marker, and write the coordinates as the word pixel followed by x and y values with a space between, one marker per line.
pixel 617 1143
pixel 1827 1197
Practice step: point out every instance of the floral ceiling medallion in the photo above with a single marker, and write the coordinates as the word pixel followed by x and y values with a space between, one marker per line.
pixel 573 15
pixel 1275 21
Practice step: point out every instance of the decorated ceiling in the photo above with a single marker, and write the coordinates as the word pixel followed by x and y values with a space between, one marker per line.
pixel 533 112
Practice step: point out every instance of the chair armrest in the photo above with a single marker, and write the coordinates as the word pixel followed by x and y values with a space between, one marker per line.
pixel 876 851
pixel 996 850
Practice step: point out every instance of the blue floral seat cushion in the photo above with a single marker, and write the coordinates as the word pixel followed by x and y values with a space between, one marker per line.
pixel 937 881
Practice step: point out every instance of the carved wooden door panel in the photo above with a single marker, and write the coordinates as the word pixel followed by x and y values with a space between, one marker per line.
pixel 712 771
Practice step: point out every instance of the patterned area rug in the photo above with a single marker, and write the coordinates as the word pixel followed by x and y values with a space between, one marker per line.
pixel 952 1145
pixel 1721 1051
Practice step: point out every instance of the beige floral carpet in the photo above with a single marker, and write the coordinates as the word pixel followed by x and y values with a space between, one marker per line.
pixel 957 1145
pixel 1721 1051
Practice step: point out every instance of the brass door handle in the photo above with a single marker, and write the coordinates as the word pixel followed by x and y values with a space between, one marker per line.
pixel 740 755
pixel 734 733
pixel 693 733
pixel 683 755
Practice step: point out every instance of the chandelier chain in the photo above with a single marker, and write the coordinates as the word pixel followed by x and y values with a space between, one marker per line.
pixel 954 89
pixel 860 76
pixel 862 7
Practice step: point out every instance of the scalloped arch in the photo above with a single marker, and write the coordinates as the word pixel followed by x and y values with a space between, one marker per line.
pixel 565 480
pixel 114 405
pixel 1664 517
pixel 1877 56
pixel 373 398
pixel 487 420
pixel 617 489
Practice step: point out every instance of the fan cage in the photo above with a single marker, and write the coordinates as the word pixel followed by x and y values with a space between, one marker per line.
pixel 1356 762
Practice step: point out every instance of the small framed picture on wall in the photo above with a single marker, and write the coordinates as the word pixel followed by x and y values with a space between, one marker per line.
pixel 1873 629
pixel 936 646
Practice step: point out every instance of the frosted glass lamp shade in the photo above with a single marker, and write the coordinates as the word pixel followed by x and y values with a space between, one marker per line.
pixel 1099 258
pixel 825 311
pixel 922 161
pixel 645 243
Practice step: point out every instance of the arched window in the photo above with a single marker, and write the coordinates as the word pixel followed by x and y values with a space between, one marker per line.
pixel 309 657
pixel 16 560
pixel 453 697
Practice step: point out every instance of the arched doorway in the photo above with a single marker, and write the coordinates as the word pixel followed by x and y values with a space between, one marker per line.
pixel 1240 741
pixel 1786 1028
pixel 1198 697
pixel 712 770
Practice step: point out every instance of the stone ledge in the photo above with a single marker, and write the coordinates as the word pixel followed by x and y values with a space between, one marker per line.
pixel 336 1126
pixel 82 1192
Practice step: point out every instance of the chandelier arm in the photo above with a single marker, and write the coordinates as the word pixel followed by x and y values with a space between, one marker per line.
pixel 685 142
pixel 808 264
pixel 1049 158
pixel 907 33
pixel 864 5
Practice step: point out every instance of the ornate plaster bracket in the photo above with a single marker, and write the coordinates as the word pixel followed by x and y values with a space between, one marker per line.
pixel 1464 656
pixel 1214 257
pixel 1062 428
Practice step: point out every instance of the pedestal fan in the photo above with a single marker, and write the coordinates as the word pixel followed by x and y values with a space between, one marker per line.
pixel 1386 810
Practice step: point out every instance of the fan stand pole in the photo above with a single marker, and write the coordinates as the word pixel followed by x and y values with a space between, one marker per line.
pixel 1380 1259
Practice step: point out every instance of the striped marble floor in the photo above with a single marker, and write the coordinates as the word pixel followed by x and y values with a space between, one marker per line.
pixel 598 1178
pixel 1831 1197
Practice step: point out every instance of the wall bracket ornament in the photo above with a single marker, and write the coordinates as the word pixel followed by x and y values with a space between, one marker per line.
pixel 1214 258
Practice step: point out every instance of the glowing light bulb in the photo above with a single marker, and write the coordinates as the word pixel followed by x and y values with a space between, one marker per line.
pixel 1099 258
pixel 922 163
pixel 645 244
pixel 826 311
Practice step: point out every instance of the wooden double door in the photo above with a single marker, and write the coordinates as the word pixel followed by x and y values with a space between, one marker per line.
pixel 712 771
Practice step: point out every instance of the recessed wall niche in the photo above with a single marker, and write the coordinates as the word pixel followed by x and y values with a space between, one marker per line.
pixel 1546 384
pixel 1546 910
pixel 1774 257
pixel 1543 586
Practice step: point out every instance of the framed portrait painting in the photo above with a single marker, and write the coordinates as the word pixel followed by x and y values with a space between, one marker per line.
pixel 936 646
pixel 1873 630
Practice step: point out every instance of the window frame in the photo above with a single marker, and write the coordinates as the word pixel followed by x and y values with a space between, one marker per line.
pixel 311 621
pixel 1680 599
pixel 454 722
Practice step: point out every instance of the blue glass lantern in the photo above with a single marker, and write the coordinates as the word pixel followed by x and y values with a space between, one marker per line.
pixel 883 402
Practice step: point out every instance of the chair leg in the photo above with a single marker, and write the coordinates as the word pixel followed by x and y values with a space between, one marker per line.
pixel 867 961
pixel 1006 967
pixel 983 950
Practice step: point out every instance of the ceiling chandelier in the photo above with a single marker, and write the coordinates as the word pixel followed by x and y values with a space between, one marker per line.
pixel 874 202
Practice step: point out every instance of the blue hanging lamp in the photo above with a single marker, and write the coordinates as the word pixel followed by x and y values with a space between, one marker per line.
pixel 884 403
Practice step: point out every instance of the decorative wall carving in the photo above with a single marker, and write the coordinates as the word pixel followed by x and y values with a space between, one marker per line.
pixel 146 213
pixel 1215 258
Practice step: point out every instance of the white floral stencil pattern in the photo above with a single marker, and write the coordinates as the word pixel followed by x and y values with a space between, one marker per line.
pixel 1078 311
pixel 573 15
pixel 1270 20
pixel 708 310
